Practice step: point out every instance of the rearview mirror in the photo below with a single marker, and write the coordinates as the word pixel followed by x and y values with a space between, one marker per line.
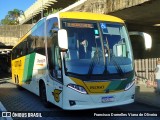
pixel 63 39
pixel 147 38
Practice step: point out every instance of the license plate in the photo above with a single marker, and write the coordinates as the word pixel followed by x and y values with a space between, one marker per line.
pixel 108 99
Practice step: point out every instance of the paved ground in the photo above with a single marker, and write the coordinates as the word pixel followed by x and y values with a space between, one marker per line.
pixel 147 95
pixel 15 96
pixel 16 100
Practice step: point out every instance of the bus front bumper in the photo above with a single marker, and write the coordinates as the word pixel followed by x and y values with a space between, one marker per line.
pixel 73 100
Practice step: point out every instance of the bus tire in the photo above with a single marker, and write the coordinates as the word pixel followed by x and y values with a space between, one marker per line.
pixel 43 95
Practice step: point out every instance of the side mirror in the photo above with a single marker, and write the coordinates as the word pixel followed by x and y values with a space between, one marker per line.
pixel 147 38
pixel 63 39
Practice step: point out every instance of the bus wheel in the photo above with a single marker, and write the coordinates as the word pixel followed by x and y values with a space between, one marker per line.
pixel 44 96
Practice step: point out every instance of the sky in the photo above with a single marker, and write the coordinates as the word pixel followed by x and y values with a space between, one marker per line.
pixel 9 5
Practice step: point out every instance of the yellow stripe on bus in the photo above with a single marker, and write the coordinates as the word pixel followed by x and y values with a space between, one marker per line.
pixel 18 68
pixel 92 87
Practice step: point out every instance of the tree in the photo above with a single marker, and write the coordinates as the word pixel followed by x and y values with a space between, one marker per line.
pixel 12 17
pixel 7 21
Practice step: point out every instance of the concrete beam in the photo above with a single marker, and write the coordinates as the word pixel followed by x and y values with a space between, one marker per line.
pixel 38 6
pixel 107 6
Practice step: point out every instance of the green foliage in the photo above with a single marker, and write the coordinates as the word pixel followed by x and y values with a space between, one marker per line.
pixel 7 21
pixel 12 17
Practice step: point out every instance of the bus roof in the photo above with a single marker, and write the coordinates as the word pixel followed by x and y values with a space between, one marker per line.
pixel 90 16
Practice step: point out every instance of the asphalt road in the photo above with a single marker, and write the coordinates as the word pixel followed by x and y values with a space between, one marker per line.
pixel 23 101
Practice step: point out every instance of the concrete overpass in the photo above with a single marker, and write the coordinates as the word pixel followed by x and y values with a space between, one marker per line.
pixel 133 11
pixel 42 8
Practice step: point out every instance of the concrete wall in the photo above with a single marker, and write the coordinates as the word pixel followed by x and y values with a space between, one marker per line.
pixel 10 34
pixel 107 6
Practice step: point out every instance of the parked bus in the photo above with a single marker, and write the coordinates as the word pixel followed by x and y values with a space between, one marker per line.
pixel 76 60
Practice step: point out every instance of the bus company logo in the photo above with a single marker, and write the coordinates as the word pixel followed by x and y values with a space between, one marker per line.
pixel 56 94
pixel 41 60
pixel 97 87
pixel 18 63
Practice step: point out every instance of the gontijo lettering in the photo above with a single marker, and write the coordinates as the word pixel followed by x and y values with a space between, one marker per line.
pixel 17 63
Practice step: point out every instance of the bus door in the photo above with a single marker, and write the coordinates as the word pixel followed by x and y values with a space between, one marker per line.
pixel 55 75
pixel 54 62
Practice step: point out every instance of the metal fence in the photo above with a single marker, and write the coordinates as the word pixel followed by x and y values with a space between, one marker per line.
pixel 145 68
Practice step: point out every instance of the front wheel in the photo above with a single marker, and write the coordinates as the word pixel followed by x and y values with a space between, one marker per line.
pixel 44 96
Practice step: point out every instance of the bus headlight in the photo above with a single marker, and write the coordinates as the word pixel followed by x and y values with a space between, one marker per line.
pixel 77 88
pixel 129 85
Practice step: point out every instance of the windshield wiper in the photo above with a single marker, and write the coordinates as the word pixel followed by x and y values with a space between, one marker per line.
pixel 119 69
pixel 92 64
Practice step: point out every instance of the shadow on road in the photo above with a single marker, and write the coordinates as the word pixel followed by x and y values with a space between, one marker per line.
pixel 4 75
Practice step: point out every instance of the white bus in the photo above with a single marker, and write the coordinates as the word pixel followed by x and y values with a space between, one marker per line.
pixel 76 60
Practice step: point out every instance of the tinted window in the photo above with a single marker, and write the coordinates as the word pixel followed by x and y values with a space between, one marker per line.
pixel 52 45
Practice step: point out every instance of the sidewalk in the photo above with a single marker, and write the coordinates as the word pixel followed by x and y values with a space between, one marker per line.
pixel 147 95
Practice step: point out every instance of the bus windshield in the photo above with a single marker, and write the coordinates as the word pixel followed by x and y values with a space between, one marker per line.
pixel 97 49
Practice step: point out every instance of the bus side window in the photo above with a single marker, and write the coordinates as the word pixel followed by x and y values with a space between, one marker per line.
pixel 30 44
pixel 24 48
pixel 14 54
pixel 38 38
